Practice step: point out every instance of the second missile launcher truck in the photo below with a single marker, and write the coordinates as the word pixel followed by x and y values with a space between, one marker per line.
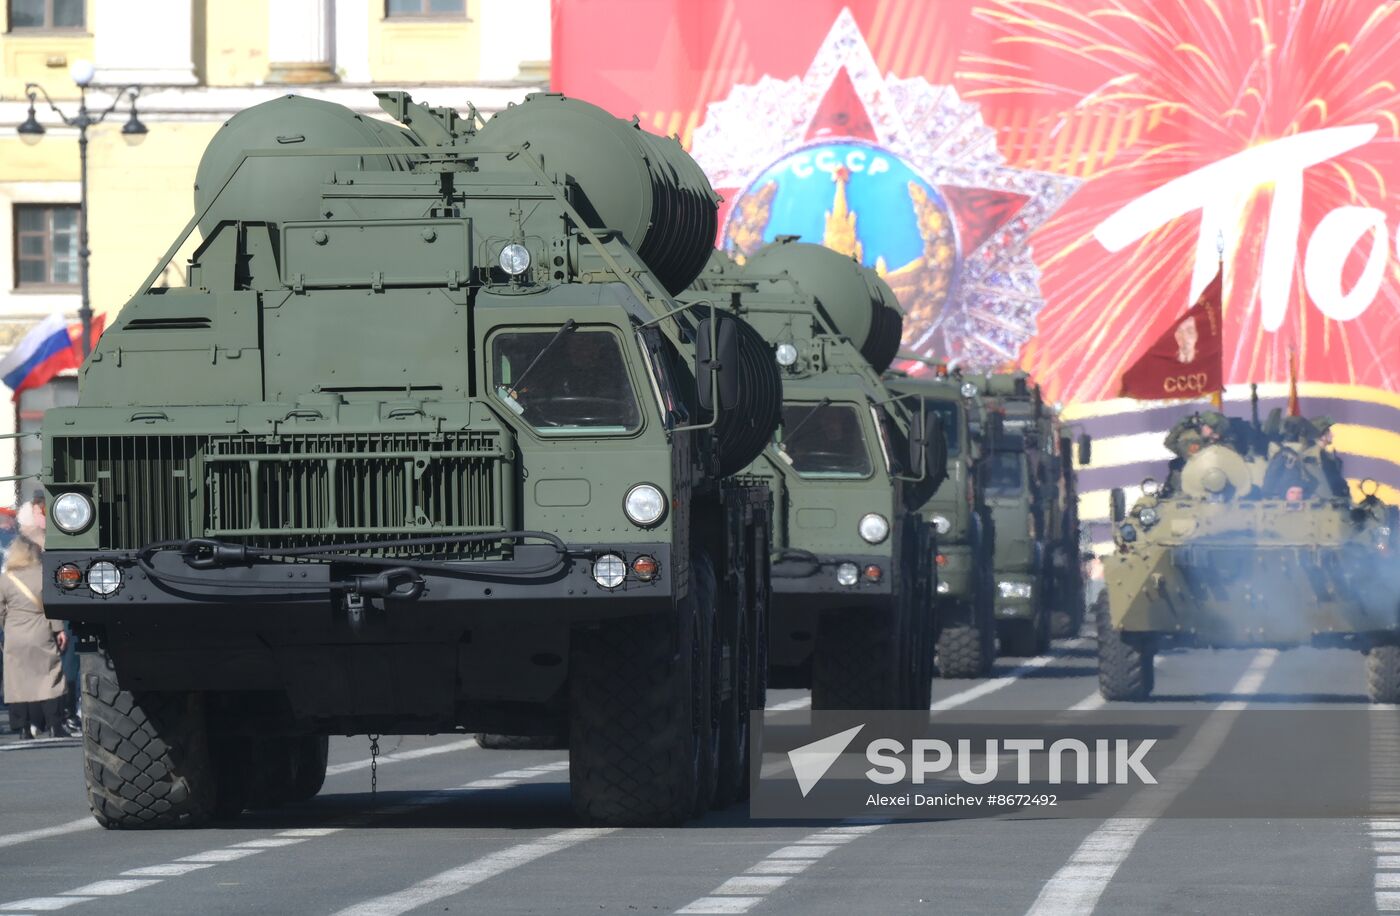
pixel 426 444
pixel 958 511
pixel 852 570
pixel 1034 499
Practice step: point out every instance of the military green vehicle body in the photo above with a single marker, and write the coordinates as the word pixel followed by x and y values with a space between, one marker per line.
pixel 1225 559
pixel 370 471
pixel 849 613
pixel 959 513
pixel 1032 491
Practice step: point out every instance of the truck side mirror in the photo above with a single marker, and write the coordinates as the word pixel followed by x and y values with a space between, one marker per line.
pixel 717 362
pixel 1085 449
pixel 936 449
pixel 1118 504
pixel 918 441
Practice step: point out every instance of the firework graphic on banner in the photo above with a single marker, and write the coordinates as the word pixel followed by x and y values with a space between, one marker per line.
pixel 1270 121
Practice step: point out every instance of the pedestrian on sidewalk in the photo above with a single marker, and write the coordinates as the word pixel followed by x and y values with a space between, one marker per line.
pixel 34 683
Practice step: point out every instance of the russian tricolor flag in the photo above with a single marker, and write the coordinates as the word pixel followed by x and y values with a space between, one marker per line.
pixel 50 347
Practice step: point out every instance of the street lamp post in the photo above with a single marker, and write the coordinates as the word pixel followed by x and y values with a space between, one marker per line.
pixel 31 131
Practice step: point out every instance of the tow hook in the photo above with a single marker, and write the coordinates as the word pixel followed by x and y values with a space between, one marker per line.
pixel 400 583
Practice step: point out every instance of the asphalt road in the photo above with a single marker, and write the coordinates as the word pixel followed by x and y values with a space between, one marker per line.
pixel 458 828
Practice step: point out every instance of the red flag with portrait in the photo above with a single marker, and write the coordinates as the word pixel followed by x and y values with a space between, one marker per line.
pixel 1185 362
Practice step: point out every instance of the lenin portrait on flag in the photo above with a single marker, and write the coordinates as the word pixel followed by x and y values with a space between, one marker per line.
pixel 1185 362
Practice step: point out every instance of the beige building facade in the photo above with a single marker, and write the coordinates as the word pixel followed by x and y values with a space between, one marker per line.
pixel 196 63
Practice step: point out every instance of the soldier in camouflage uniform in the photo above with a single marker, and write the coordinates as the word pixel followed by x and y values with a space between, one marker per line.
pixel 1189 436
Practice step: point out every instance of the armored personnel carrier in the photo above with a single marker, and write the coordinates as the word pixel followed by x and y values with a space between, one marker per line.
pixel 426 444
pixel 852 565
pixel 1253 540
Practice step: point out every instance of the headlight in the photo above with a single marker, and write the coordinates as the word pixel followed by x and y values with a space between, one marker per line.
pixel 1150 487
pixel 943 587
pixel 847 573
pixel 608 570
pixel 1014 589
pixel 104 578
pixel 1148 516
pixel 786 354
pixel 72 512
pixel 515 259
pixel 874 528
pixel 968 390
pixel 644 505
pixel 941 524
pixel 1128 533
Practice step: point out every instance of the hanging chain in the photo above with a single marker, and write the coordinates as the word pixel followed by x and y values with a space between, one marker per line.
pixel 373 766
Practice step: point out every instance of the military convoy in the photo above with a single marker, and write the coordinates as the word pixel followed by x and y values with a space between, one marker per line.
pixel 464 426
pixel 1253 539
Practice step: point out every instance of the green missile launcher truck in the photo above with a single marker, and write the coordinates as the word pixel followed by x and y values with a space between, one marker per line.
pixel 1034 500
pixel 852 572
pixel 426 444
pixel 1253 540
pixel 959 514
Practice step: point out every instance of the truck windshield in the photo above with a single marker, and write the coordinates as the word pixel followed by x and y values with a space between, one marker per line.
pixel 825 440
pixel 948 412
pixel 1004 473
pixel 579 383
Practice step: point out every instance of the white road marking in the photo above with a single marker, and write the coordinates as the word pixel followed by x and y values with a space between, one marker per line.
pixel 43 833
pixel 168 870
pixel 741 893
pixel 1076 888
pixel 1385 795
pixel 787 705
pixel 992 685
pixel 456 880
pixel 42 904
pixel 135 879
pixel 112 887
pixel 720 905
pixel 401 756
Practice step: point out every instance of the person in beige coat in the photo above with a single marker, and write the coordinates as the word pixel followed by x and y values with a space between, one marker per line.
pixel 34 645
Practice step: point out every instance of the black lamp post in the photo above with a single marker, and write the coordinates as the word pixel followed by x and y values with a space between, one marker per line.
pixel 31 131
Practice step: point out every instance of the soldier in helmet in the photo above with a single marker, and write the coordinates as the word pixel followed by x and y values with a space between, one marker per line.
pixel 1329 460
pixel 1189 436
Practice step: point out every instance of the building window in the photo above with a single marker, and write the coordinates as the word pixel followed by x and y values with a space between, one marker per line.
pixel 46 245
pixel 33 402
pixel 407 9
pixel 46 14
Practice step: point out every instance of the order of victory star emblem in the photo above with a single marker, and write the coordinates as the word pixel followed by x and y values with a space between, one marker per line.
pixel 899 173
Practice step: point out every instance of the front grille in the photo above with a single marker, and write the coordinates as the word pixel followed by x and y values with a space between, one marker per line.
pixel 297 490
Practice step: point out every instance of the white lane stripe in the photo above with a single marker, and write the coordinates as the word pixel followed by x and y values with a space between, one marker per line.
pixel 1387 861
pixel 112 887
pixel 751 884
pixel 401 756
pixel 776 867
pixel 311 831
pixel 1076 888
pixel 42 904
pixel 219 855
pixel 456 880
pixel 1000 683
pixel 785 706
pixel 168 870
pixel 1387 901
pixel 1387 880
pixel 270 843
pixel 43 833
pixel 719 906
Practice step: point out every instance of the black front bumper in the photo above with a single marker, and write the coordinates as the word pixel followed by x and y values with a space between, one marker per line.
pixel 297 594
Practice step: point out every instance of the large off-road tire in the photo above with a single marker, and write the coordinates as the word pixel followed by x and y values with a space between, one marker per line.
pixel 1125 669
pixel 492 741
pixel 639 718
pixel 276 770
pixel 1383 674
pixel 856 661
pixel 746 690
pixel 1063 625
pixel 146 756
pixel 963 652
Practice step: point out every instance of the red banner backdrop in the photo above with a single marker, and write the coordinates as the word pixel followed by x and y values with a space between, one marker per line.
pixel 1046 183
